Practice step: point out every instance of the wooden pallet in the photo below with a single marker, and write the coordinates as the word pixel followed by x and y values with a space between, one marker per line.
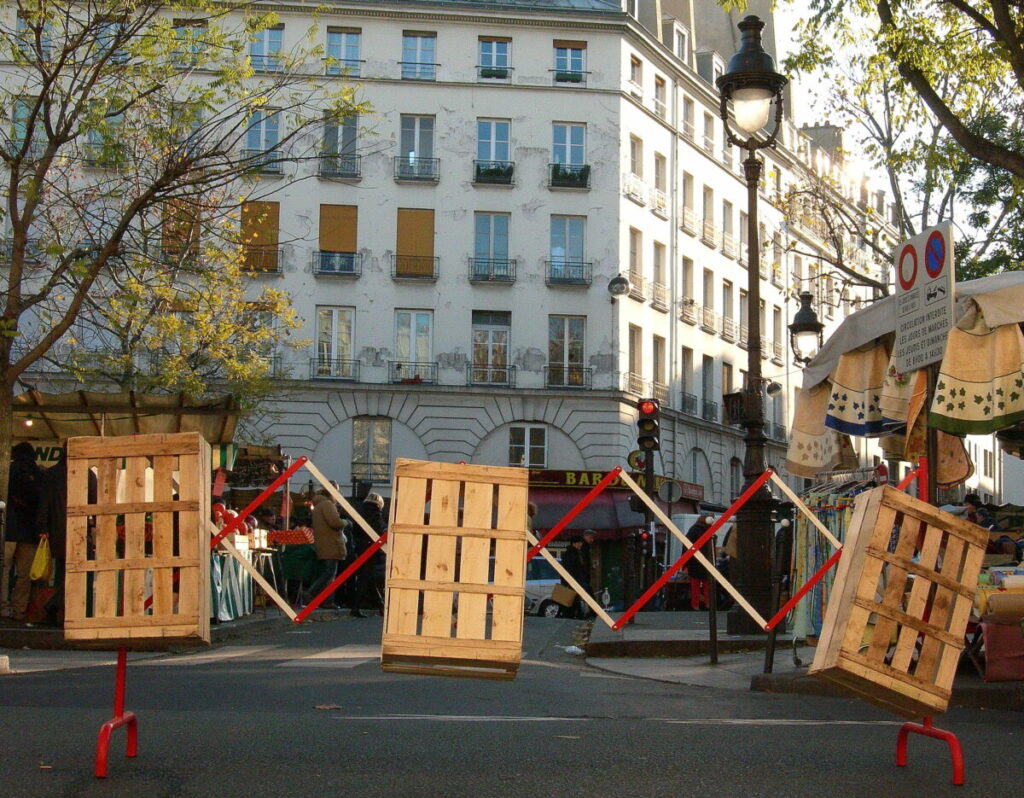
pixel 457 544
pixel 895 622
pixel 142 535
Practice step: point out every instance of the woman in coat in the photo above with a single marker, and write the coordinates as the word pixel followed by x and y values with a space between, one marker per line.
pixel 330 544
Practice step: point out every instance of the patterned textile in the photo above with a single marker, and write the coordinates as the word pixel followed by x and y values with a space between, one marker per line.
pixel 897 389
pixel 812 447
pixel 855 404
pixel 980 389
pixel 954 465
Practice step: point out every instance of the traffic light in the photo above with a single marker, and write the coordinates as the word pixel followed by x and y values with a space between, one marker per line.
pixel 646 542
pixel 648 437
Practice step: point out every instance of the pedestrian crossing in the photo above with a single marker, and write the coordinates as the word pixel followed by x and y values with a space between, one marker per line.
pixel 347 656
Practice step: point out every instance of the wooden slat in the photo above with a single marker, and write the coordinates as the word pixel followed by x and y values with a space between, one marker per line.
pixel 167 506
pixel 475 560
pixel 445 646
pixel 437 587
pixel 134 475
pixel 456 670
pixel 911 567
pixel 77 543
pixel 136 564
pixel 905 619
pixel 437 604
pixel 404 558
pixel 461 531
pixel 106 584
pixel 958 618
pixel 134 446
pixel 941 605
pixel 507 610
pixel 491 475
pixel 163 533
pixel 120 622
pixel 917 601
pixel 193 594
pixel 896 578
pixel 933 516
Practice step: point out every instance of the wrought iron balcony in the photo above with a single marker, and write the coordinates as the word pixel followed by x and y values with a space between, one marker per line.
pixel 495 173
pixel 730 329
pixel 635 383
pixel 569 272
pixel 333 164
pixel 568 376
pixel 690 404
pixel 709 233
pixel 568 175
pixel 689 222
pixel 659 297
pixel 729 245
pixel 323 368
pixel 409 372
pixel 262 260
pixel 637 286
pixel 492 270
pixel 414 267
pixel 418 70
pixel 495 74
pixel 659 203
pixel 576 77
pixel 709 320
pixel 342 264
pixel 350 67
pixel 491 375
pixel 418 170
pixel 689 310
pixel 371 472
pixel 660 392
pixel 271 62
pixel 264 162
pixel 709 410
pixel 777 352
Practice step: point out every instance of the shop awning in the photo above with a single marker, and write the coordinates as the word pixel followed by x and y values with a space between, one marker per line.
pixel 607 514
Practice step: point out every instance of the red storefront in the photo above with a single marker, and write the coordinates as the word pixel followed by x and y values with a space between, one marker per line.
pixel 610 516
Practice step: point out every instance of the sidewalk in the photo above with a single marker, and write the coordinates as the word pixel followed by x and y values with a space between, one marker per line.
pixel 27 649
pixel 675 647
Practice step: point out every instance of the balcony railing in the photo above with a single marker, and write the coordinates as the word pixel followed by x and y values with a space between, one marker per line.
pixel 568 376
pixel 659 297
pixel 409 372
pixel 777 352
pixel 709 410
pixel 569 76
pixel 659 203
pixel 419 170
pixel 637 286
pixel 689 404
pixel 335 165
pixel 659 391
pixel 762 268
pixel 418 70
pixel 496 74
pixel 778 431
pixel 323 368
pixel 744 332
pixel 569 272
pixel 688 131
pixel 569 175
pixel 777 275
pixel 709 320
pixel 729 245
pixel 352 67
pixel 491 375
pixel 660 109
pixel 689 222
pixel 414 267
pixel 709 233
pixel 709 144
pixel 730 329
pixel 264 162
pixel 272 62
pixel 372 472
pixel 342 264
pixel 635 383
pixel 633 186
pixel 689 310
pixel 492 270
pixel 262 260
pixel 495 173
pixel 33 249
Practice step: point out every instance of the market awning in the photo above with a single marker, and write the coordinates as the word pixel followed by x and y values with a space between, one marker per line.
pixel 56 416
pixel 607 514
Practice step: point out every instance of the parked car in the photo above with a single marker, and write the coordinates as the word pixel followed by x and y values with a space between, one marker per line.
pixel 541 577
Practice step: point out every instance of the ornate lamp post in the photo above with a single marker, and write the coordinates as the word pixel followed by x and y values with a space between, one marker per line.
pixel 805 331
pixel 752 84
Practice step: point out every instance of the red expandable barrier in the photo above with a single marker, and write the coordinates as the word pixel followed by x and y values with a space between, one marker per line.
pixel 694 548
pixel 340 578
pixel 121 718
pixel 239 519
pixel 818 576
pixel 927 730
pixel 557 528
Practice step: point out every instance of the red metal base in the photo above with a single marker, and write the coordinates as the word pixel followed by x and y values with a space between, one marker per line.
pixel 121 718
pixel 939 734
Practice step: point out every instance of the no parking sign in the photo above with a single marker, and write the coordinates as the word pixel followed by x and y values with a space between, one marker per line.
pixel 924 297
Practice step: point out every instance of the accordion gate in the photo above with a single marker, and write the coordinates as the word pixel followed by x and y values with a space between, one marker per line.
pixel 147 577
pixel 895 622
pixel 457 541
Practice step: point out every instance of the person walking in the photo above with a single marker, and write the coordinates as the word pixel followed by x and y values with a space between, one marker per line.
pixel 329 540
pixel 572 561
pixel 22 505
pixel 372 511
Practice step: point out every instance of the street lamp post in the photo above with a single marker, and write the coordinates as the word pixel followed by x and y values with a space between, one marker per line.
pixel 752 84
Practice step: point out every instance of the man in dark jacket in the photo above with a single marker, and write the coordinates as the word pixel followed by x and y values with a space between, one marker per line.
pixel 22 505
pixel 363 592
pixel 572 560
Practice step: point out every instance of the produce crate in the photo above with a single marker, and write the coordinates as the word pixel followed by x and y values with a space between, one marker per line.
pixel 456 543
pixel 895 622
pixel 138 561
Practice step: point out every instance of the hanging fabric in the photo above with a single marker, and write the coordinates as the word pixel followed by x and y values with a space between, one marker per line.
pixel 812 446
pixel 855 403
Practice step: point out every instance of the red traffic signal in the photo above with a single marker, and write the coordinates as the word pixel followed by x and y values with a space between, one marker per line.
pixel 648 425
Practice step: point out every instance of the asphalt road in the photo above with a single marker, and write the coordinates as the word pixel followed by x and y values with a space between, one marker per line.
pixel 308 712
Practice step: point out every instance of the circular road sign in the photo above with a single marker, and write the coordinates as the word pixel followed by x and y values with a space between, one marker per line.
pixel 935 254
pixel 907 262
pixel 670 491
pixel 636 459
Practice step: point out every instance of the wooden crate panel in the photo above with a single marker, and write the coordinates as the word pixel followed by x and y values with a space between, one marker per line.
pixel 895 622
pixel 138 562
pixel 456 570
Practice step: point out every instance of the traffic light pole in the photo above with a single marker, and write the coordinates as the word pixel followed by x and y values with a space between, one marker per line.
pixel 648 547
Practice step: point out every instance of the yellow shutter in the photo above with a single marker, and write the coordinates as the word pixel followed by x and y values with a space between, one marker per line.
pixel 571 44
pixel 338 225
pixel 260 221
pixel 415 245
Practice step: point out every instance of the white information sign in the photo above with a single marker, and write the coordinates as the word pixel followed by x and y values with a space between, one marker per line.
pixel 924 298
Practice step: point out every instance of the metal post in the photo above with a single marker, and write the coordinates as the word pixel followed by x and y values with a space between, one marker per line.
pixel 753 520
pixel 645 558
